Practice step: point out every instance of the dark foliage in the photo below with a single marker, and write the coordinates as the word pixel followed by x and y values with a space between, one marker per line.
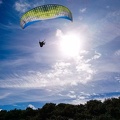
pixel 92 110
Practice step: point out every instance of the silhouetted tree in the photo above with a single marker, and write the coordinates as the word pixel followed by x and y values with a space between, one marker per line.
pixel 92 110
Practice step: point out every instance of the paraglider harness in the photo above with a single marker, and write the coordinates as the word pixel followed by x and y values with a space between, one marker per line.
pixel 42 43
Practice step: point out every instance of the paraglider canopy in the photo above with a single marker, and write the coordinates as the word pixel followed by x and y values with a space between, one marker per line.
pixel 45 12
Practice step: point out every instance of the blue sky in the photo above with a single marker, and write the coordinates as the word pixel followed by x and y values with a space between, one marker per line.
pixel 59 72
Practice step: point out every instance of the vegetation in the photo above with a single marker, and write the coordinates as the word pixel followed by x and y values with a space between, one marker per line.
pixel 92 110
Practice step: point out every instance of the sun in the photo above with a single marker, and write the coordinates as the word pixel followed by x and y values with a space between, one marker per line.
pixel 70 44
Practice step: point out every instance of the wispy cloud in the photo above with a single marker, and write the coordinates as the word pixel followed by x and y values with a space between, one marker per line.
pixel 107 6
pixel 61 74
pixel 99 35
pixel 4 96
pixel 1 2
pixel 67 76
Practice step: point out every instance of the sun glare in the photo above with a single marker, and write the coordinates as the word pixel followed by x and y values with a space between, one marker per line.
pixel 70 44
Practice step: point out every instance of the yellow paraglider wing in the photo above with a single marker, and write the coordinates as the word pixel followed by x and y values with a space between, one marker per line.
pixel 45 12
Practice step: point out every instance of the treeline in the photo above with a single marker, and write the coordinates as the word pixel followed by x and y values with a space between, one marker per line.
pixel 92 110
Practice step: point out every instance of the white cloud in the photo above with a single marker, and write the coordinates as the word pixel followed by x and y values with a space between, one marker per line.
pixel 71 95
pixel 117 78
pixel 83 10
pixel 81 98
pixel 21 6
pixel 59 33
pixel 107 6
pixel 96 56
pixel 32 106
pixel 117 53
